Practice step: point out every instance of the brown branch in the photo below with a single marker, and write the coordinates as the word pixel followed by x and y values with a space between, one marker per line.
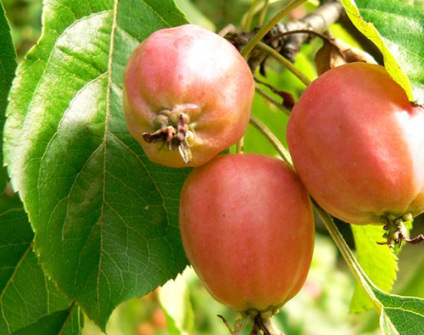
pixel 289 45
pixel 280 37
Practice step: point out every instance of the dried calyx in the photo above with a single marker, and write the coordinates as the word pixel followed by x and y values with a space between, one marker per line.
pixel 396 232
pixel 174 130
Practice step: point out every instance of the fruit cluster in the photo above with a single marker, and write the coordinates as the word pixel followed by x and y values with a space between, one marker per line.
pixel 246 220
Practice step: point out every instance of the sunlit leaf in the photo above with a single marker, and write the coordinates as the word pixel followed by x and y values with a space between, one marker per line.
pixel 397 29
pixel 7 72
pixel 106 219
pixel 378 261
pixel 194 14
pixel 175 300
pixel 30 303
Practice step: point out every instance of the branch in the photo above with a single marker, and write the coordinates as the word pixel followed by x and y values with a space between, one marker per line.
pixel 279 37
pixel 329 12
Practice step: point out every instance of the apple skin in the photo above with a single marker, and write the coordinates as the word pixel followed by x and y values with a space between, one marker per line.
pixel 357 143
pixel 248 230
pixel 191 70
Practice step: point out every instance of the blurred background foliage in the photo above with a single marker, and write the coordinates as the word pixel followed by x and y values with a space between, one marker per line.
pixel 184 306
pixel 25 19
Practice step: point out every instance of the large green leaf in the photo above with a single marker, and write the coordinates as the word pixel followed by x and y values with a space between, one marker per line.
pixel 397 29
pixel 378 261
pixel 105 218
pixel 30 303
pixel 405 314
pixel 7 72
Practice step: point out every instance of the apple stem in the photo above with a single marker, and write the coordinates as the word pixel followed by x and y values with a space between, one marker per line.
pixel 267 27
pixel 272 100
pixel 248 18
pixel 285 62
pixel 272 327
pixel 240 146
pixel 266 325
pixel 259 323
pixel 269 135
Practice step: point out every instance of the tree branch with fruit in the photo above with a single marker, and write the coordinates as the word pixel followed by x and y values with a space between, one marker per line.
pixel 139 143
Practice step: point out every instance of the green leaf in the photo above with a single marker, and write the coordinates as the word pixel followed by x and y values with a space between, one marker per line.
pixel 174 298
pixel 397 29
pixel 64 322
pixel 406 314
pixel 386 325
pixel 276 121
pixel 106 219
pixel 15 240
pixel 274 118
pixel 194 14
pixel 378 261
pixel 7 72
pixel 398 315
pixel 30 303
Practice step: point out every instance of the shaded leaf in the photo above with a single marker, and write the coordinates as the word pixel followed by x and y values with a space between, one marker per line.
pixel 65 322
pixel 7 72
pixel 397 29
pixel 336 53
pixel 328 57
pixel 15 240
pixel 106 219
pixel 29 302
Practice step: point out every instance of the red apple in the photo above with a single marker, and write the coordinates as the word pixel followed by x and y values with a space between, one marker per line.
pixel 357 143
pixel 248 230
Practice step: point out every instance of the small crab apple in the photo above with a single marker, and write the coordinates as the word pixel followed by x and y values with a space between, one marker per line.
pixel 357 143
pixel 248 230
pixel 187 95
